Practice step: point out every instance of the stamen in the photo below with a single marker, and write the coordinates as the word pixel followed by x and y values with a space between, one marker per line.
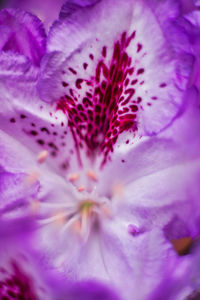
pixel 87 206
pixel 92 175
pixel 70 222
pixel 32 178
pixel 35 205
pixel 182 245
pixel 106 210
pixel 81 188
pixel 73 177
pixel 42 156
pixel 60 218
pixel 77 226
pixel 117 189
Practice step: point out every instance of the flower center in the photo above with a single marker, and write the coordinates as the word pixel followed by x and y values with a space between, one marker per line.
pixel 87 206
pixel 80 212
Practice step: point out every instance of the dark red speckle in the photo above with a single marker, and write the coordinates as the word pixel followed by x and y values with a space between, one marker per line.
pixel 33 132
pixel 12 120
pixel 104 51
pixel 78 83
pixel 140 71
pixel 100 116
pixel 85 65
pixel 139 47
pixel 72 71
pixel 162 85
pixel 64 84
pixel 40 142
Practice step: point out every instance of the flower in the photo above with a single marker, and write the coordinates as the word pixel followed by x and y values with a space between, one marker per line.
pixel 88 164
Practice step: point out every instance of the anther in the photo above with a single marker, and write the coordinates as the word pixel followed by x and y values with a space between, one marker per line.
pixel 35 205
pixel 42 156
pixel 182 245
pixel 106 210
pixel 60 218
pixel 77 226
pixel 73 177
pixel 32 178
pixel 117 189
pixel 92 175
pixel 81 188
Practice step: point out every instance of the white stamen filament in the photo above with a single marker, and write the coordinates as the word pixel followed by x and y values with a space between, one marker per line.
pixel 55 218
pixel 69 223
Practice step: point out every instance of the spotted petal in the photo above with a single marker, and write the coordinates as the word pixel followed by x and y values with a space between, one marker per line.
pixel 162 182
pixel 24 116
pixel 116 76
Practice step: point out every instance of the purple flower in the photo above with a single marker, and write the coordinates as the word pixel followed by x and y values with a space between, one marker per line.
pixel 85 161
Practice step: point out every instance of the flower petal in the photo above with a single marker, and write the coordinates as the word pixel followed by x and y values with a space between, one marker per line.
pixel 47 11
pixel 22 274
pixel 24 116
pixel 15 195
pixel 107 75
pixel 22 33
pixel 177 145
pixel 148 255
pixel 156 199
pixel 19 276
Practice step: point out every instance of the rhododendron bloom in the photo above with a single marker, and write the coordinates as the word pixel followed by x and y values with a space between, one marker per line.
pixel 78 123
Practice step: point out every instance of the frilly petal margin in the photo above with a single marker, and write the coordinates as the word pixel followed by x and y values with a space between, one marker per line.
pixel 133 69
pixel 23 33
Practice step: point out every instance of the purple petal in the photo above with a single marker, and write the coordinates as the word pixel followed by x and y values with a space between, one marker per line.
pixel 22 33
pixel 47 11
pixel 112 74
pixel 89 290
pixel 21 274
pixel 15 193
pixel 26 118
